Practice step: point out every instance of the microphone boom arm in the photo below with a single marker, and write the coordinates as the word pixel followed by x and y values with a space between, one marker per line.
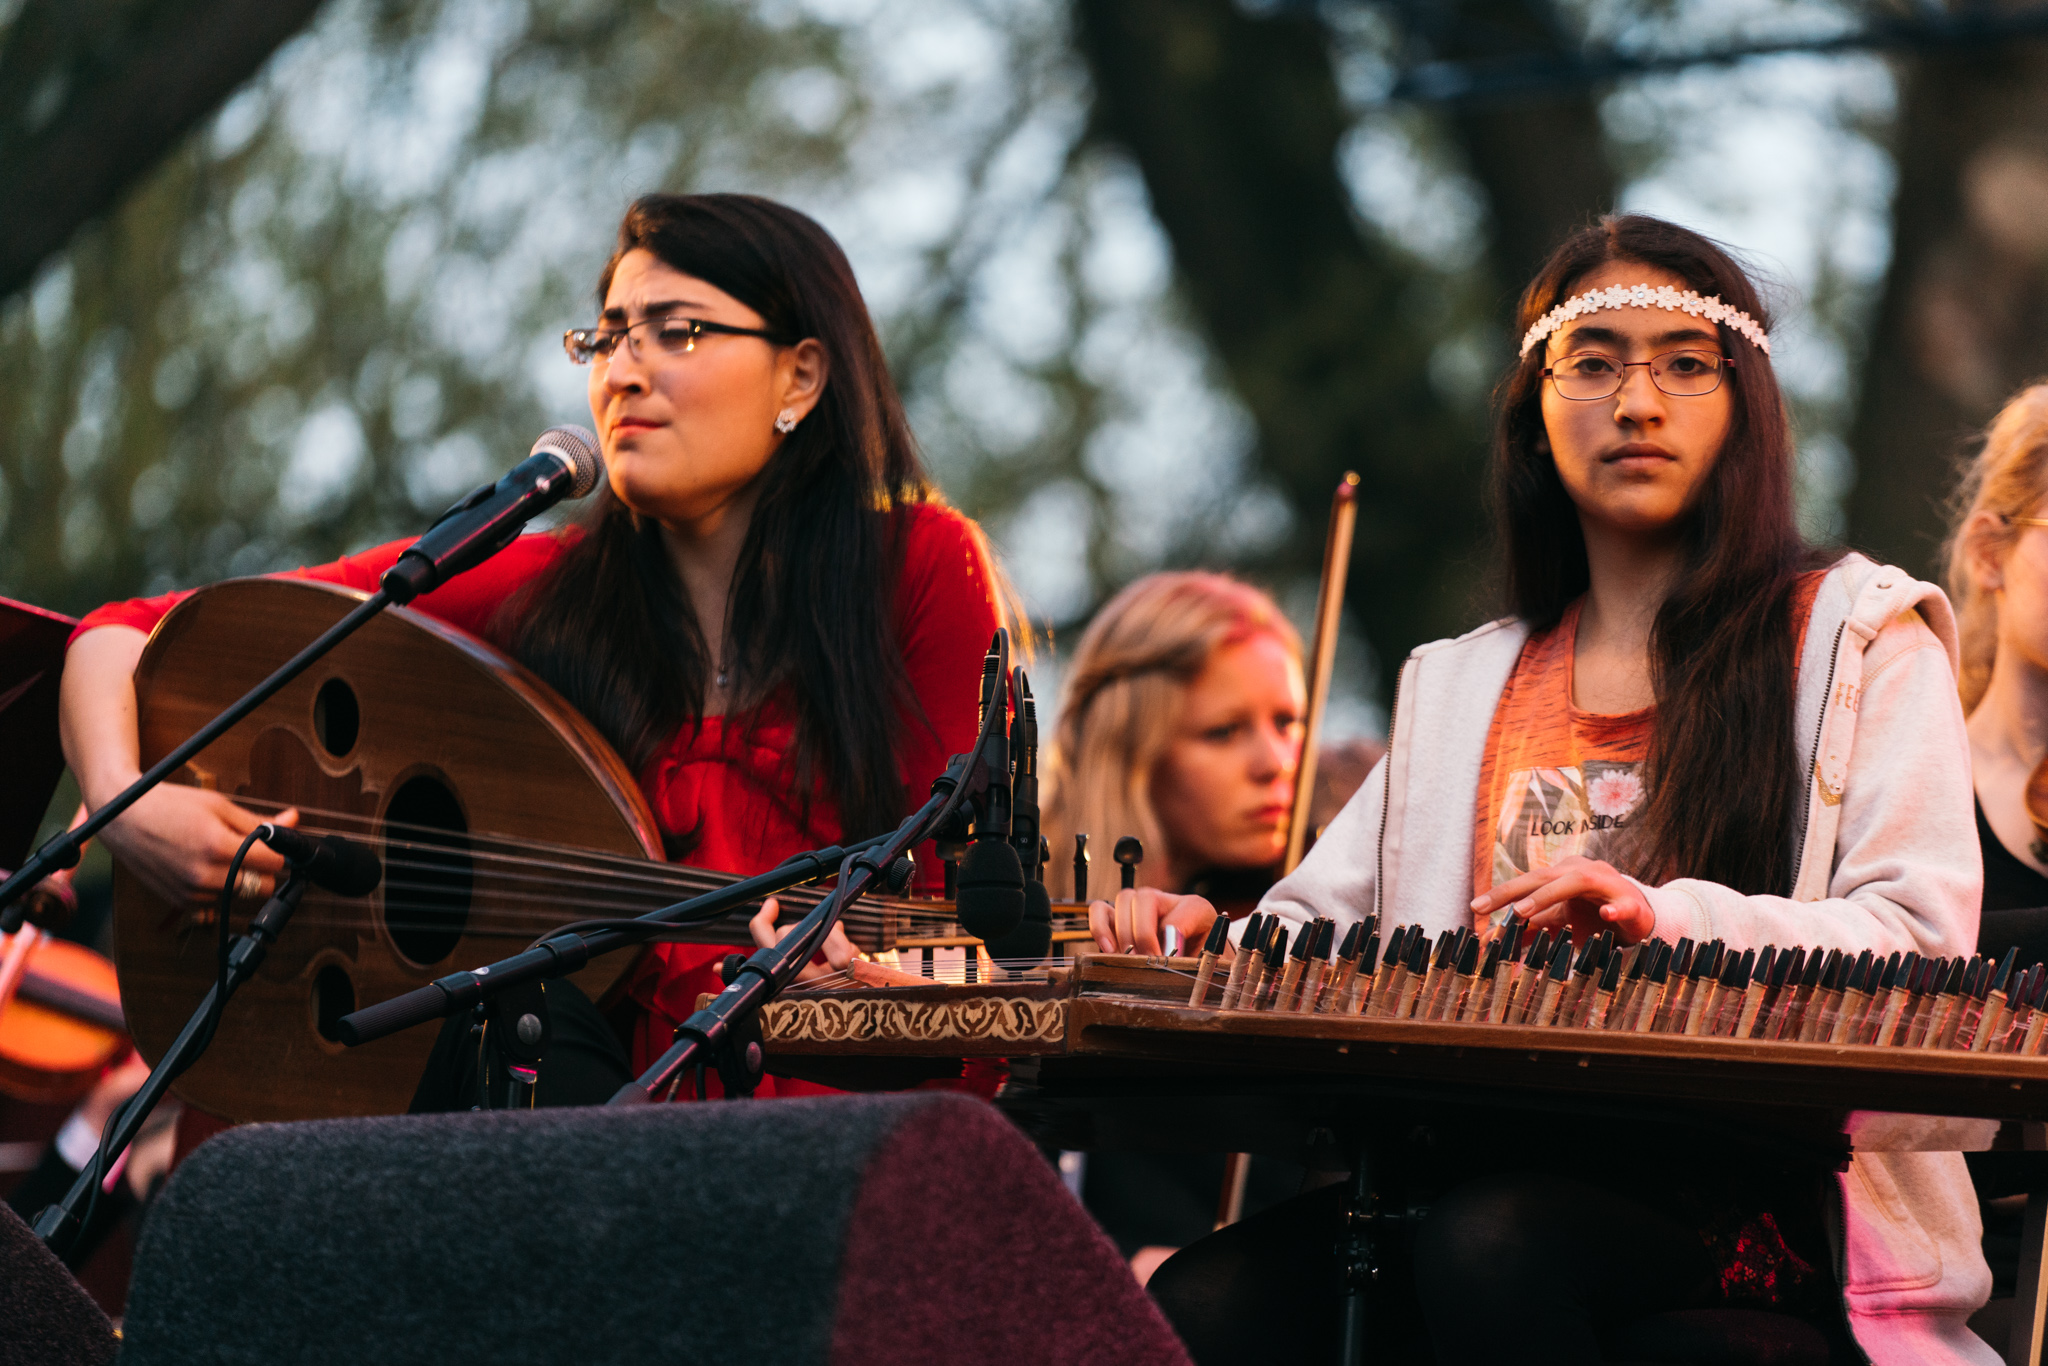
pixel 762 977
pixel 60 1224
pixel 979 775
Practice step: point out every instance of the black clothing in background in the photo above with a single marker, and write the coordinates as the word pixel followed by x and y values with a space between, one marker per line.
pixel 2015 901
pixel 1528 1266
pixel 586 1061
pixel 1163 1199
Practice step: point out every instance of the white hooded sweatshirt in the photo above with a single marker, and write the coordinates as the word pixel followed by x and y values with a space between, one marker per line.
pixel 1888 860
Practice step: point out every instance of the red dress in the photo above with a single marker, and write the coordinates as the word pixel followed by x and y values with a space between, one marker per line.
pixel 728 779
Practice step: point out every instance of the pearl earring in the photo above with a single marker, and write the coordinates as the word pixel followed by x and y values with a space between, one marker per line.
pixel 785 421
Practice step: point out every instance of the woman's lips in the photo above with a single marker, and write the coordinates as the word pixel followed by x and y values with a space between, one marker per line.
pixel 1637 450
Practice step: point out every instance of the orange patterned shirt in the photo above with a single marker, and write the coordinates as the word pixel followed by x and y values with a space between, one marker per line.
pixel 1557 781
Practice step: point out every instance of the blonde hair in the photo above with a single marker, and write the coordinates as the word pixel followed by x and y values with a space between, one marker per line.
pixel 2007 479
pixel 1120 703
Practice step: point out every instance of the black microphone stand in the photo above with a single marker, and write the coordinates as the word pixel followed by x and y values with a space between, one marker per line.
pixel 561 954
pixel 61 1223
pixel 726 1032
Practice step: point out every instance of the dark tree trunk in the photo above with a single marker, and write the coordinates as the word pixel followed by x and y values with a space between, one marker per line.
pixel 1542 161
pixel 1964 317
pixel 1234 123
pixel 93 93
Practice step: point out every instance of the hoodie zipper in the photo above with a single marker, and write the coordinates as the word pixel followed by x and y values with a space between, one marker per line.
pixel 1379 881
pixel 1838 1207
pixel 1813 767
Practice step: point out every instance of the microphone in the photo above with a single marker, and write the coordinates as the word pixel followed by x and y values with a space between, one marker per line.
pixel 1024 837
pixel 340 865
pixel 1030 936
pixel 564 463
pixel 991 897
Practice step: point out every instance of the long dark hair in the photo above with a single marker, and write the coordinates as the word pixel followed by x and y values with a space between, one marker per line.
pixel 1721 650
pixel 610 626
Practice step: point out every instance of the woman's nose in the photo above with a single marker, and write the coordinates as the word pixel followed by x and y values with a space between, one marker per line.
pixel 1639 398
pixel 623 372
pixel 1273 753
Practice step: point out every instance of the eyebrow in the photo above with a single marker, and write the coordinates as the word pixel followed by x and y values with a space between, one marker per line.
pixel 1576 335
pixel 657 309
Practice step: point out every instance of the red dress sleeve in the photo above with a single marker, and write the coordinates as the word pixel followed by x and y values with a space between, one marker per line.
pixel 468 601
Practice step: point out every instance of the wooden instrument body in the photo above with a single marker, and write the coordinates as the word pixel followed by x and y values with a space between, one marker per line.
pixel 444 727
pixel 1116 1023
pixel 408 728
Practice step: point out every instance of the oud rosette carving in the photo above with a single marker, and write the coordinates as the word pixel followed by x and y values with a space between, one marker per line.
pixel 987 1025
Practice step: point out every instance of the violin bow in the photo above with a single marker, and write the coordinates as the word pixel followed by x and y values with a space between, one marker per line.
pixel 1322 658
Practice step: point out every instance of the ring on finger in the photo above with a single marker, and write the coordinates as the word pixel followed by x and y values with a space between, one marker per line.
pixel 249 884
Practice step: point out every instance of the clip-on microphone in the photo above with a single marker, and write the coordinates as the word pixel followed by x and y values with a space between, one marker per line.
pixel 1031 939
pixel 991 897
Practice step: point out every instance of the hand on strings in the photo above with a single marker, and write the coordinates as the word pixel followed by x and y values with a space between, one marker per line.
pixel 1579 895
pixel 1131 923
pixel 179 841
pixel 838 950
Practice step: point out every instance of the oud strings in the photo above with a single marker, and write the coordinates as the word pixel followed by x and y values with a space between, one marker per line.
pixel 501 887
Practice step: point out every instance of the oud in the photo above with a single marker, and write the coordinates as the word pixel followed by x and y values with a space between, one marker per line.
pixel 500 815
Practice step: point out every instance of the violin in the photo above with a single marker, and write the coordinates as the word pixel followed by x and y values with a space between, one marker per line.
pixel 61 1024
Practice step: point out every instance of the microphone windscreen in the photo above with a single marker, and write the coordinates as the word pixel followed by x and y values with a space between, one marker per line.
pixel 351 869
pixel 579 444
pixel 990 900
pixel 1032 939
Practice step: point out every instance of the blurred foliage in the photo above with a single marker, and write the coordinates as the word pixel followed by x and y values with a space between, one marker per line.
pixel 313 325
pixel 337 306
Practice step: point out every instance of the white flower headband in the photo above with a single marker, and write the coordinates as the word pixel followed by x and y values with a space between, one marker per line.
pixel 1646 296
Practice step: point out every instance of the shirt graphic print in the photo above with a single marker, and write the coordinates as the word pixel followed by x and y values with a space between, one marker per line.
pixel 1557 781
pixel 1549 814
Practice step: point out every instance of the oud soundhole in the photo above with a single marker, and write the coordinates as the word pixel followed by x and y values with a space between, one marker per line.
pixel 334 996
pixel 336 717
pixel 427 870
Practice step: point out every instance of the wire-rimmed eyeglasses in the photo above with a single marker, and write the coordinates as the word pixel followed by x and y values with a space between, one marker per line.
pixel 1589 375
pixel 673 335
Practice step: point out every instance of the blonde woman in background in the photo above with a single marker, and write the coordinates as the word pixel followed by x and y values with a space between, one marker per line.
pixel 1998 579
pixel 1180 722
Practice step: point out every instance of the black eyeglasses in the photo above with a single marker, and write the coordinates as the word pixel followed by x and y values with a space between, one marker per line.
pixel 1590 375
pixel 673 336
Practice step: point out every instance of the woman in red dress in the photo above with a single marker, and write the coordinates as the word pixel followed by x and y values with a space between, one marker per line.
pixel 769 612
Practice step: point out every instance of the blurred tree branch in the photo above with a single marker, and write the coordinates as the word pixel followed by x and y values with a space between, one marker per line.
pixel 94 93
